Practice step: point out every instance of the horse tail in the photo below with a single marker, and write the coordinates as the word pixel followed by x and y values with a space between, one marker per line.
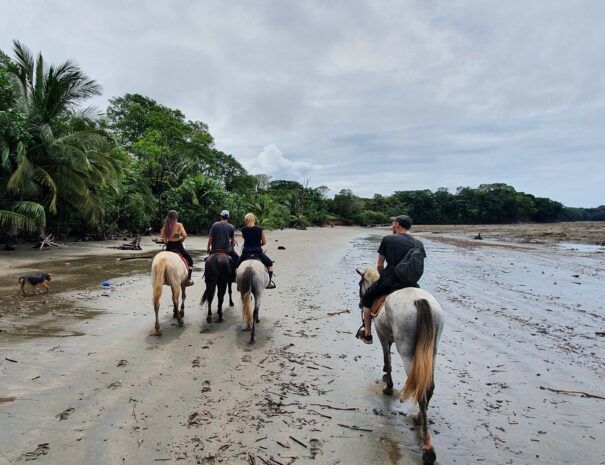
pixel 420 377
pixel 246 294
pixel 158 272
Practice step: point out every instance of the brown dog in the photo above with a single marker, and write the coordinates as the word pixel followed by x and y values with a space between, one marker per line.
pixel 34 280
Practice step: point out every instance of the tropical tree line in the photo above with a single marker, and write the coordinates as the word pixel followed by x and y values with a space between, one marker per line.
pixel 67 169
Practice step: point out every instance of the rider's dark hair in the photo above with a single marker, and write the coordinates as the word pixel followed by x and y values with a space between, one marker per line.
pixel 169 224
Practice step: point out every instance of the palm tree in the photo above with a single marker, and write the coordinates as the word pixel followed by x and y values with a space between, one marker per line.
pixel 64 157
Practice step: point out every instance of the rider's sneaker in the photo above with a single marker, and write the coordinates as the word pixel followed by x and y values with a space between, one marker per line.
pixel 189 282
pixel 271 285
pixel 361 334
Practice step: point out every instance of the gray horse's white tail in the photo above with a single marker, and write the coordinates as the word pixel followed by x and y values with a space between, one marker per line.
pixel 420 377
pixel 246 294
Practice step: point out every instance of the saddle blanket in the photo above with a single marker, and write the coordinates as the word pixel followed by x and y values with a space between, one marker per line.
pixel 378 305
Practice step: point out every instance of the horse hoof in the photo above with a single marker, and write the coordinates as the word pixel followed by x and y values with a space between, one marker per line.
pixel 429 456
pixel 387 391
pixel 182 313
pixel 175 315
pixel 208 319
pixel 258 320
pixel 180 321
pixel 252 341
pixel 417 419
pixel 231 304
pixel 385 378
pixel 158 333
pixel 220 319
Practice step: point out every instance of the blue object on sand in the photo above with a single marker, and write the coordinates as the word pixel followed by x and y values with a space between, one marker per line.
pixel 105 284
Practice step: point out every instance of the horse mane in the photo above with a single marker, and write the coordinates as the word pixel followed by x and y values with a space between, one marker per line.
pixel 371 274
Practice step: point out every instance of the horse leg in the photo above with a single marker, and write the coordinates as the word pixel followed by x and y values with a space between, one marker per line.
pixel 387 368
pixel 255 318
pixel 156 308
pixel 428 452
pixel 210 289
pixel 184 295
pixel 176 293
pixel 231 304
pixel 222 287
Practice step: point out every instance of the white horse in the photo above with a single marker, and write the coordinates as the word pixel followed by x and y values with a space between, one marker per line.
pixel 252 279
pixel 168 268
pixel 412 319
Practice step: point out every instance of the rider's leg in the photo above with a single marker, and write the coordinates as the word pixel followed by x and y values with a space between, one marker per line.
pixel 367 321
pixel 187 256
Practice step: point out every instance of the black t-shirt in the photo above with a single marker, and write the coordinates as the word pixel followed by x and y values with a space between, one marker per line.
pixel 394 247
pixel 252 238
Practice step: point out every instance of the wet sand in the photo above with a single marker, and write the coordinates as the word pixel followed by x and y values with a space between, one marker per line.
pixel 104 390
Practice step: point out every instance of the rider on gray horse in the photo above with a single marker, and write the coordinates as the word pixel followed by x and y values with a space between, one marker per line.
pixel 254 239
pixel 393 248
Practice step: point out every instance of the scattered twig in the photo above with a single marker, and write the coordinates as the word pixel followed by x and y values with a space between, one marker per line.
pixel 283 445
pixel 35 378
pixel 582 393
pixel 260 439
pixel 319 413
pixel 354 428
pixel 251 459
pixel 599 333
pixel 264 461
pixel 338 313
pixel 276 461
pixel 335 408
pixel 299 442
pixel 10 360
pixel 312 368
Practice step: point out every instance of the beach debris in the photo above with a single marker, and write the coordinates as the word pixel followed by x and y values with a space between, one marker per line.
pixel 354 428
pixel 298 442
pixel 105 284
pixel 564 391
pixel 10 360
pixel 42 449
pixel 64 415
pixel 281 247
pixel 122 363
pixel 478 237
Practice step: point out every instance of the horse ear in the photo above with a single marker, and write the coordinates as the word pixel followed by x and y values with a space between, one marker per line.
pixel 359 272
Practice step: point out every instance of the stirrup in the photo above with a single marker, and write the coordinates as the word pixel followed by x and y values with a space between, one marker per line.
pixel 271 285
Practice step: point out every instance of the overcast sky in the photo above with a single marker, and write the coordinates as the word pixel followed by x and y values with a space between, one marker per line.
pixel 370 96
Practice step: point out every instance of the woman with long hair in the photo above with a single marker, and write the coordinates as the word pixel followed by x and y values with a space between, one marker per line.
pixel 173 233
pixel 254 239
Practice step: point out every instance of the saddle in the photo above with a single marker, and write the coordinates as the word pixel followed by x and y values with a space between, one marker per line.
pixel 181 257
pixel 378 305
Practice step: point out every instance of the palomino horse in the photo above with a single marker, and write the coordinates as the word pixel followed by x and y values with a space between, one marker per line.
pixel 218 274
pixel 252 278
pixel 412 319
pixel 168 268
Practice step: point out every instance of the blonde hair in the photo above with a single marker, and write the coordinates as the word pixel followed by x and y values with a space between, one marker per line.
pixel 250 219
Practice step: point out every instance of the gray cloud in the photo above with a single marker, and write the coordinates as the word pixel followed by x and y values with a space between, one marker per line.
pixel 381 96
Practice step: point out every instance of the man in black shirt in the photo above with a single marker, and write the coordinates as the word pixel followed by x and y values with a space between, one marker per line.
pixel 392 249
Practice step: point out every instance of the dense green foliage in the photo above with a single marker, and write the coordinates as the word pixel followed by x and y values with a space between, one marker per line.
pixel 70 171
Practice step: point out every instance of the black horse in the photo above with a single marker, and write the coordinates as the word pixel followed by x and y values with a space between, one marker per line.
pixel 219 273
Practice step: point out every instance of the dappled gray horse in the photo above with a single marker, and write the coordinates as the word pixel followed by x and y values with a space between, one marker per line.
pixel 413 320
pixel 252 279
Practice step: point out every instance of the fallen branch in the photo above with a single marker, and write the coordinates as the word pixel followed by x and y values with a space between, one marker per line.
pixel 355 428
pixel 320 414
pixel 582 393
pixel 335 408
pixel 338 313
pixel 299 442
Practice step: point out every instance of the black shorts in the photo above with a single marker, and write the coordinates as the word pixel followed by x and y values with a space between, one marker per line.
pixel 382 287
pixel 177 246
pixel 261 256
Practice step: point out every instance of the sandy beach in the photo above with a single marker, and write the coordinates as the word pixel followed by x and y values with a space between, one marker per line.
pixel 83 380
